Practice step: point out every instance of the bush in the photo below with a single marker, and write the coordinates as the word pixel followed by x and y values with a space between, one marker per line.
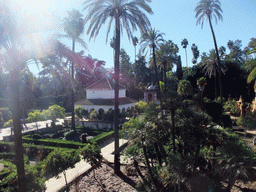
pixel 109 115
pixel 32 177
pixel 9 123
pixel 6 114
pixel 226 121
pixel 248 121
pixel 232 107
pixel 94 115
pixel 214 110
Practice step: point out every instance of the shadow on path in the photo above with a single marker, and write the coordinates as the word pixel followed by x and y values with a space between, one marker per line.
pixel 124 177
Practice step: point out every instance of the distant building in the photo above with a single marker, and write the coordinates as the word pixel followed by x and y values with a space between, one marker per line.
pixel 100 96
pixel 150 95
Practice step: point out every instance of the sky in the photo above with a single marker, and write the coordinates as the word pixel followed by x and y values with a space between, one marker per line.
pixel 174 18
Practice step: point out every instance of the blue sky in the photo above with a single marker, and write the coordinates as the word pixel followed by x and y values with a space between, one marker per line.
pixel 174 18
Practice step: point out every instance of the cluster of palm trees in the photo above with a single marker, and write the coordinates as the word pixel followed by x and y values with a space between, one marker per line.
pixel 128 15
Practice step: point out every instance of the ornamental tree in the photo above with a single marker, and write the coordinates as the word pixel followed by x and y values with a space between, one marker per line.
pixel 58 161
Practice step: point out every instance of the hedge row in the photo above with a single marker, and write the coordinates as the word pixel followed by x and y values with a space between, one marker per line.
pixel 102 137
pixel 68 144
pixel 53 142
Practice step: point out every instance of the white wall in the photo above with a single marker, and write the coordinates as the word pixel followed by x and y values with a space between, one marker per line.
pixel 104 94
pixel 106 107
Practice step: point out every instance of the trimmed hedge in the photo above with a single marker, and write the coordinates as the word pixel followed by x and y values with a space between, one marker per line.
pixel 67 144
pixel 102 137
pixel 53 142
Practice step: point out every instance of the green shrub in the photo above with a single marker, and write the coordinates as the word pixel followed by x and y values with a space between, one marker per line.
pixel 109 115
pixel 231 106
pixel 59 160
pixel 94 115
pixel 100 138
pixel 6 114
pixel 34 182
pixel 91 153
pixel 248 121
pixel 36 136
pixel 9 123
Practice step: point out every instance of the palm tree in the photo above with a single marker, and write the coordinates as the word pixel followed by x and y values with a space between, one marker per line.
pixel 74 27
pixel 210 9
pixel 12 60
pixel 184 44
pixel 135 42
pixel 152 39
pixel 127 14
pixel 166 55
pixel 209 64
pixel 251 64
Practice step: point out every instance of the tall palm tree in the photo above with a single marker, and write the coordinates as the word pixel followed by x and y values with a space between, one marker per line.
pixel 166 55
pixel 184 44
pixel 12 61
pixel 210 9
pixel 74 27
pixel 127 14
pixel 210 67
pixel 135 42
pixel 152 39
pixel 251 64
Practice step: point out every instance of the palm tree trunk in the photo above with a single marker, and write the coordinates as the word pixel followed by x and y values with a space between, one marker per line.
pixel 135 54
pixel 157 81
pixel 186 57
pixel 19 161
pixel 73 125
pixel 173 129
pixel 116 113
pixel 165 76
pixel 148 166
pixel 218 60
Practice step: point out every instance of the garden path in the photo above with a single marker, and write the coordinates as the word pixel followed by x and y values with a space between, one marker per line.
pixel 53 184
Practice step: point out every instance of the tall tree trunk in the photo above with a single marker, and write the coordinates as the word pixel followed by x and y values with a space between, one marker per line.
pixel 173 129
pixel 218 60
pixel 135 54
pixel 186 57
pixel 73 123
pixel 148 165
pixel 116 113
pixel 157 81
pixel 19 161
pixel 165 76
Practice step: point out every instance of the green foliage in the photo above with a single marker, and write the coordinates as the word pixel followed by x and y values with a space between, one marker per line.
pixel 109 115
pixel 201 81
pixel 34 182
pixel 248 121
pixel 6 114
pixel 231 106
pixel 91 153
pixel 102 137
pixel 9 123
pixel 35 116
pixel 185 88
pixel 60 160
pixel 81 112
pixel 56 111
pixel 141 106
pixel 94 115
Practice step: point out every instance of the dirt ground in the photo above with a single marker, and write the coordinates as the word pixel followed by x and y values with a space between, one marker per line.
pixel 105 179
